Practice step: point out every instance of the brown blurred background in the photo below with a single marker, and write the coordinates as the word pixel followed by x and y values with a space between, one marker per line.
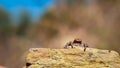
pixel 96 22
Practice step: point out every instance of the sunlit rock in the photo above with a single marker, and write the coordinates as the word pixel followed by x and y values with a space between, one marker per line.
pixel 72 58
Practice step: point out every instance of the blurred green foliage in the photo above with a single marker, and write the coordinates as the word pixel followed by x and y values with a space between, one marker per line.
pixel 24 24
pixel 5 23
pixel 73 2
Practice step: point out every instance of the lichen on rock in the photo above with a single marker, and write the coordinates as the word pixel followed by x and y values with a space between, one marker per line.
pixel 72 58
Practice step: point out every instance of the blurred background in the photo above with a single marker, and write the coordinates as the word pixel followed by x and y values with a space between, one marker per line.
pixel 28 24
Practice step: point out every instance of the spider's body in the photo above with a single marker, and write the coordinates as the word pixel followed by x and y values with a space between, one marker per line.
pixel 76 42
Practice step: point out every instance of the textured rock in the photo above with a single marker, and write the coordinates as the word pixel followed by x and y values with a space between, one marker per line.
pixel 72 58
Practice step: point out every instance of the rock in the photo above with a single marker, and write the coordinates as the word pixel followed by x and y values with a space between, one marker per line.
pixel 72 58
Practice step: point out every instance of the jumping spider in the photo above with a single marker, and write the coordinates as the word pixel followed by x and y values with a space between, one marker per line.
pixel 76 42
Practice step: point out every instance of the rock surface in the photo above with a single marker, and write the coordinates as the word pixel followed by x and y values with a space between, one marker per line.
pixel 72 58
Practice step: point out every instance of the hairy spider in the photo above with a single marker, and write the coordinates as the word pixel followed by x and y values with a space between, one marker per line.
pixel 77 41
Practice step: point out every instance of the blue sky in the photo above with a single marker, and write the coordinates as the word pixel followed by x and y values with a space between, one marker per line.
pixel 35 7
